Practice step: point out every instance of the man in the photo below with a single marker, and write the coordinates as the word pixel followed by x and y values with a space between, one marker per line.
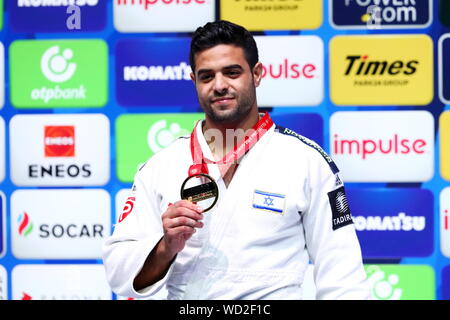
pixel 280 200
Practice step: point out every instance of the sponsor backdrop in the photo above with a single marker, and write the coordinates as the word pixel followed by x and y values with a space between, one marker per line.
pixel 90 89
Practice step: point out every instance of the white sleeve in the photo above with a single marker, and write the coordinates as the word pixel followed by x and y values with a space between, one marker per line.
pixel 133 238
pixel 331 238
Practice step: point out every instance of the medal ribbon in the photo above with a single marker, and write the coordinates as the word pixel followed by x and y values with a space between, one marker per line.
pixel 200 162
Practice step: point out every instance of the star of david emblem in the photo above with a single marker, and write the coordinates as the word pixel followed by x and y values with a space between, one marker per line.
pixel 268 201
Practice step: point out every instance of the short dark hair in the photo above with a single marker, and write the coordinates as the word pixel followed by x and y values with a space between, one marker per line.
pixel 223 32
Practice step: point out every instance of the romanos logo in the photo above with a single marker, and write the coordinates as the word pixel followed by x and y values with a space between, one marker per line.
pixel 381 70
pixel 56 3
pixel 274 14
pixel 64 73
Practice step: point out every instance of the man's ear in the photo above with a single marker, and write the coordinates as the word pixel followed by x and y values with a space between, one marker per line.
pixel 193 77
pixel 257 73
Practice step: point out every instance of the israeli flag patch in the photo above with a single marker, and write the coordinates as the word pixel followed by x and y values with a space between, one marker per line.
pixel 273 202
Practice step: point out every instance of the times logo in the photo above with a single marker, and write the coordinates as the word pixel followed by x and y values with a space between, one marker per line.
pixel 381 70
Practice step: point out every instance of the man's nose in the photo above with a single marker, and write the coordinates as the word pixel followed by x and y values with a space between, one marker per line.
pixel 220 84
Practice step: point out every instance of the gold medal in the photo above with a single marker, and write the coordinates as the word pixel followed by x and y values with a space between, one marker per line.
pixel 200 189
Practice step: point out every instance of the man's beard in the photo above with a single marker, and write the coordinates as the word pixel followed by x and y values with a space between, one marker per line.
pixel 244 105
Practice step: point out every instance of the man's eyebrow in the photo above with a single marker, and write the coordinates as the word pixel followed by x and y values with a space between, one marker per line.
pixel 232 66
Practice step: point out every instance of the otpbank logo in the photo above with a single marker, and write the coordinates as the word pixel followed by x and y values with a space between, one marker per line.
pixel 381 70
pixel 59 282
pixel 444 144
pixel 57 16
pixel 296 73
pixel 61 73
pixel 148 72
pixel 378 14
pixel 444 208
pixel 2 225
pixel 383 146
pixel 150 133
pixel 444 68
pixel 402 218
pixel 401 282
pixel 60 150
pixel 162 15
pixel 258 15
pixel 41 231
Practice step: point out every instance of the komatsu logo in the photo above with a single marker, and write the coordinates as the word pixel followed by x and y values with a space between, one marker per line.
pixel 400 222
pixel 56 3
pixel 146 73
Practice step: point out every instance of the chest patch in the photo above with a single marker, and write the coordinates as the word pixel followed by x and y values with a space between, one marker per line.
pixel 269 201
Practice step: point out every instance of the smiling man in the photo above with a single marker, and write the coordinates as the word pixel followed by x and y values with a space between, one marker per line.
pixel 274 200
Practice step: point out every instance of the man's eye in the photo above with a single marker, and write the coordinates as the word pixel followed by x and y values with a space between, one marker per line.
pixel 205 77
pixel 233 73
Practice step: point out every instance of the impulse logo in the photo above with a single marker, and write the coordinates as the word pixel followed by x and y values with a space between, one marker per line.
pixel 296 73
pixel 147 3
pixel 403 218
pixel 25 225
pixel 391 146
pixel 289 70
pixel 382 146
pixel 59 141
pixel 444 202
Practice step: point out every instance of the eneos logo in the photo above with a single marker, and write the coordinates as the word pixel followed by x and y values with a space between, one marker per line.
pixel 381 70
pixel 401 282
pixel 444 204
pixel 403 218
pixel 444 144
pixel 374 146
pixel 150 133
pixel 256 15
pixel 55 157
pixel 148 72
pixel 153 15
pixel 57 15
pixel 59 141
pixel 380 14
pixel 296 73
pixel 64 73
pixel 40 231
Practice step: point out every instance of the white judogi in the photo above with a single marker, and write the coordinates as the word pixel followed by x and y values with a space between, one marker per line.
pixel 275 216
